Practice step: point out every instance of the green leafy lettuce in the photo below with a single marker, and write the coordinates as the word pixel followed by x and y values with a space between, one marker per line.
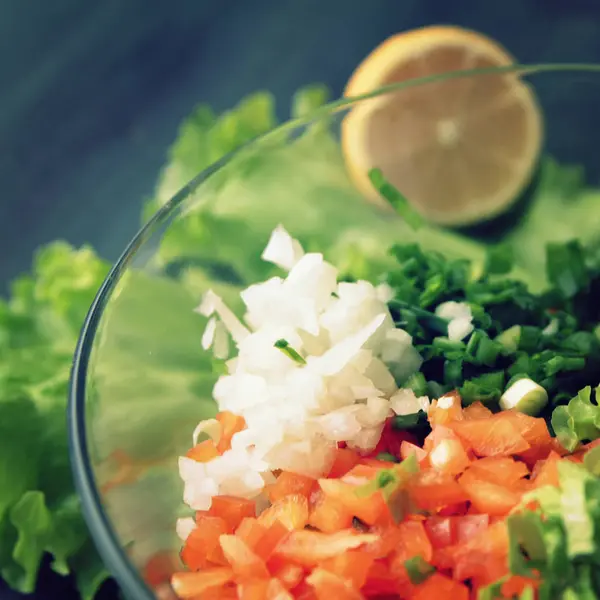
pixel 39 511
pixel 577 421
pixel 558 542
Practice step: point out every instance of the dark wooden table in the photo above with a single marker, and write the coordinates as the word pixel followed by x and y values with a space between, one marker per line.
pixel 91 92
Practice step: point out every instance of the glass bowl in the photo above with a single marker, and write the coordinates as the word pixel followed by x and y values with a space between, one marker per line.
pixel 141 381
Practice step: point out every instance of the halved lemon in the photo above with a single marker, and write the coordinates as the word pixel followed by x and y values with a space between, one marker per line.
pixel 461 150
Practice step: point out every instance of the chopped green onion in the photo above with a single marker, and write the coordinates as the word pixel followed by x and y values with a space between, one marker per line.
pixel 285 347
pixel 384 478
pixel 418 569
pixel 453 372
pixel 485 388
pixel 526 396
pixel 509 339
pixel 398 202
pixel 487 351
pixel 529 339
pixel 417 384
pixel 559 364
pixel 446 345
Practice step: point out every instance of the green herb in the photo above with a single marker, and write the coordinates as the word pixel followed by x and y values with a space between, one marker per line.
pixel 485 388
pixel 418 569
pixel 285 347
pixel 417 384
pixel 390 481
pixel 398 202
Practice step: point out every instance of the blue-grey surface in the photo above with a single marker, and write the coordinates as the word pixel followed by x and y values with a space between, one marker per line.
pixel 91 92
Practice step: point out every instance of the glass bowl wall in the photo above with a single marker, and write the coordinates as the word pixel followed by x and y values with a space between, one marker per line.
pixel 141 381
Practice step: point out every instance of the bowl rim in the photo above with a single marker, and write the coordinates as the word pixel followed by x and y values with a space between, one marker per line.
pixel 97 520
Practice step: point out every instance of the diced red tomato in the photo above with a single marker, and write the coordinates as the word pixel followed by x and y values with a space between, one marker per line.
pixel 353 566
pixel 203 452
pixel 449 456
pixel 330 515
pixel 232 509
pixel 477 411
pixel 327 586
pixel 452 510
pixel 345 459
pixel 475 467
pixel 407 449
pixel 489 498
pixel 192 585
pixel 432 490
pixel 231 424
pixel 253 589
pixel 274 536
pixel 311 547
pixel 448 408
pixel 277 591
pixel 388 538
pixel 370 509
pixel 439 531
pixel 415 541
pixel 305 592
pixel 201 545
pixel 502 470
pixel 469 527
pixel 361 473
pixel 495 436
pixel 288 484
pixel 483 556
pixel 292 511
pixel 244 562
pixel 438 586
pixel 381 582
pixel 546 472
pixel 289 575
pixel 251 532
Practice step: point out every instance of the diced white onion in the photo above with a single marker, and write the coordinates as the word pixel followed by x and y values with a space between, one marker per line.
pixel 184 527
pixel 296 412
pixel 211 303
pixel 282 250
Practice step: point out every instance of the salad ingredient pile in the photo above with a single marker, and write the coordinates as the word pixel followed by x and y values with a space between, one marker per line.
pixel 397 440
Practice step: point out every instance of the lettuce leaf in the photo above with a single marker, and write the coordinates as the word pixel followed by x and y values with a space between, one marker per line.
pixel 577 421
pixel 39 324
pixel 560 541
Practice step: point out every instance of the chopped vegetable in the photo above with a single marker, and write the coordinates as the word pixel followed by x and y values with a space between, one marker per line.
pixel 285 347
pixel 526 396
pixel 398 202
